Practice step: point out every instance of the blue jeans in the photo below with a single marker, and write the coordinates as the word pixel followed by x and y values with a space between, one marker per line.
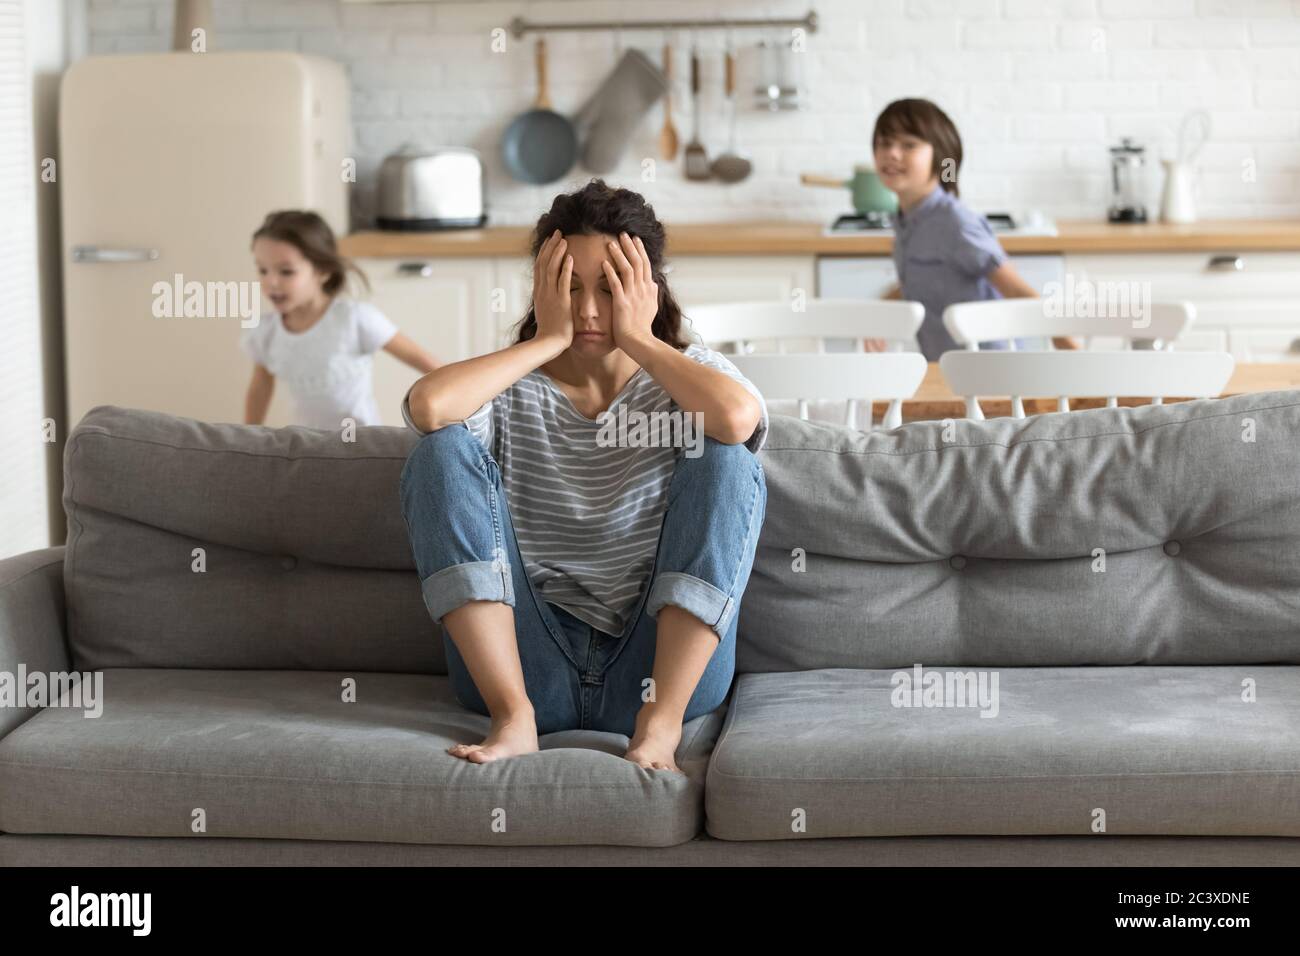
pixel 576 676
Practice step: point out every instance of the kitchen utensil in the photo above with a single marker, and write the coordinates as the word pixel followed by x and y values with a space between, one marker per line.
pixel 1192 135
pixel 1127 185
pixel 611 115
pixel 697 157
pixel 1178 200
pixel 188 16
pixel 539 146
pixel 423 190
pixel 668 135
pixel 869 194
pixel 779 85
pixel 731 166
pixel 589 113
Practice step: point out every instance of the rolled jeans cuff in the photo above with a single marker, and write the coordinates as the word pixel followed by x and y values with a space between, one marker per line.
pixel 454 586
pixel 692 594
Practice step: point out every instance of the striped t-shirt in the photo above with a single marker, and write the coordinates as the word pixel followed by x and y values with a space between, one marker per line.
pixel 587 514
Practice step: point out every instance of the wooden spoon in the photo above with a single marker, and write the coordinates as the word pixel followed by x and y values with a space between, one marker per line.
pixel 668 135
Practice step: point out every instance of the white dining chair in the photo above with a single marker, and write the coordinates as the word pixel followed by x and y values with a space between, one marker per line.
pixel 797 366
pixel 970 323
pixel 1078 374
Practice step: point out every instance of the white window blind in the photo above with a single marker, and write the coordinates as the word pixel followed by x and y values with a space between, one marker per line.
pixel 24 522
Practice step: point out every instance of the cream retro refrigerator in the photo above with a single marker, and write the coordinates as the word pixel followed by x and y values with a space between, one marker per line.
pixel 168 163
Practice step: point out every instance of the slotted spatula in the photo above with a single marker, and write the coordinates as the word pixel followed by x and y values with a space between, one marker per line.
pixel 697 157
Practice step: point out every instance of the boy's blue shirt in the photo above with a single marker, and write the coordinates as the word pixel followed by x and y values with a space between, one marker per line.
pixel 944 251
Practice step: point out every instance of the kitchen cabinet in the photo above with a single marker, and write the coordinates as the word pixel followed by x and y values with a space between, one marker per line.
pixel 514 282
pixel 1247 304
pixel 444 305
pixel 710 280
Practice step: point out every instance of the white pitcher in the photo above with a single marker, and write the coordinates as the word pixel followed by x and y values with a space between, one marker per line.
pixel 1178 202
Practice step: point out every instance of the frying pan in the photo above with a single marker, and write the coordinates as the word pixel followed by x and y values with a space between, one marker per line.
pixel 539 146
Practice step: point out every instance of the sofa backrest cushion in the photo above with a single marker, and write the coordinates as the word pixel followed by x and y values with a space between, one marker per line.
pixel 1158 534
pixel 306 562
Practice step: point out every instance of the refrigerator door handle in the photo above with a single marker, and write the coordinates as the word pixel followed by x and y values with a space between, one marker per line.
pixel 97 254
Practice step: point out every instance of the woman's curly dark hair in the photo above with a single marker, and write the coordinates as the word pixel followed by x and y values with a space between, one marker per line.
pixel 598 209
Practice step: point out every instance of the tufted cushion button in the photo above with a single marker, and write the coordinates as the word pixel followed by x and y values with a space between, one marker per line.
pixel 288 562
pixel 1172 548
pixel 957 562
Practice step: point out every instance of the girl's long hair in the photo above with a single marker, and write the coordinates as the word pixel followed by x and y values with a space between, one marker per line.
pixel 312 236
pixel 924 120
pixel 597 209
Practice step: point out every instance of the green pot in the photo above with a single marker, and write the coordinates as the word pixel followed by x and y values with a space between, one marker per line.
pixel 869 193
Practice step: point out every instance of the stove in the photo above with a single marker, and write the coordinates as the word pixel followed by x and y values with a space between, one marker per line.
pixel 863 222
pixel 882 224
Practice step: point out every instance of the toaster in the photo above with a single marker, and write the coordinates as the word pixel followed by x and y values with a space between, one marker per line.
pixel 423 190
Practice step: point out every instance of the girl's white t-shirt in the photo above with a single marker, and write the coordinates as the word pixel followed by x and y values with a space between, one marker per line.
pixel 327 367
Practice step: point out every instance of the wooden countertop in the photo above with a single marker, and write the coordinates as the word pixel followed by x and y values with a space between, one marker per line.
pixel 935 400
pixel 774 238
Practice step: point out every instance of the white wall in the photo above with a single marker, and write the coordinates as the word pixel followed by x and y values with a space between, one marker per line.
pixel 30 385
pixel 1039 89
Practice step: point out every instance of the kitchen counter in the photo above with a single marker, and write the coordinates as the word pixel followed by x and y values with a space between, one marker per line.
pixel 774 238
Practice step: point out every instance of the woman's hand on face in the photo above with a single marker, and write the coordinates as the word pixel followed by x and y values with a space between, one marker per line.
pixel 552 273
pixel 635 293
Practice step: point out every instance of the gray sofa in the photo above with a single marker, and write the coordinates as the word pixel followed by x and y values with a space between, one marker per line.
pixel 1147 709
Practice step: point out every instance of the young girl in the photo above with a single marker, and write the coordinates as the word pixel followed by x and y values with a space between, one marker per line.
pixel 944 251
pixel 318 341
pixel 583 582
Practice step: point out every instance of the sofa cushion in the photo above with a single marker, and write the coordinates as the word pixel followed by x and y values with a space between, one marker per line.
pixel 965 543
pixel 1158 750
pixel 1159 534
pixel 306 562
pixel 278 754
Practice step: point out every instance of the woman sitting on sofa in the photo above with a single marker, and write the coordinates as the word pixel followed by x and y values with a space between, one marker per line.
pixel 587 576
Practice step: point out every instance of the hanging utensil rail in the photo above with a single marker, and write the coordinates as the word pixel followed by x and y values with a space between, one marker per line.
pixel 519 26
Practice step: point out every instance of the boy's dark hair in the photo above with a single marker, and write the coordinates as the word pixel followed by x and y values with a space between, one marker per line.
pixel 598 209
pixel 312 236
pixel 924 120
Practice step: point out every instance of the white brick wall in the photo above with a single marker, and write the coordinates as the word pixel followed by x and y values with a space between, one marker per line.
pixel 1038 88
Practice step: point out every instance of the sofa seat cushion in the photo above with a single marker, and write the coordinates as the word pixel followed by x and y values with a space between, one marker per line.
pixel 279 754
pixel 1136 750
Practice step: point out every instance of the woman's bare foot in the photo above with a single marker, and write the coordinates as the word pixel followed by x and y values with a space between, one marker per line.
pixel 654 742
pixel 511 734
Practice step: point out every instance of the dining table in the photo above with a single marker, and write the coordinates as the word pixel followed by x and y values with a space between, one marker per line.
pixel 936 400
